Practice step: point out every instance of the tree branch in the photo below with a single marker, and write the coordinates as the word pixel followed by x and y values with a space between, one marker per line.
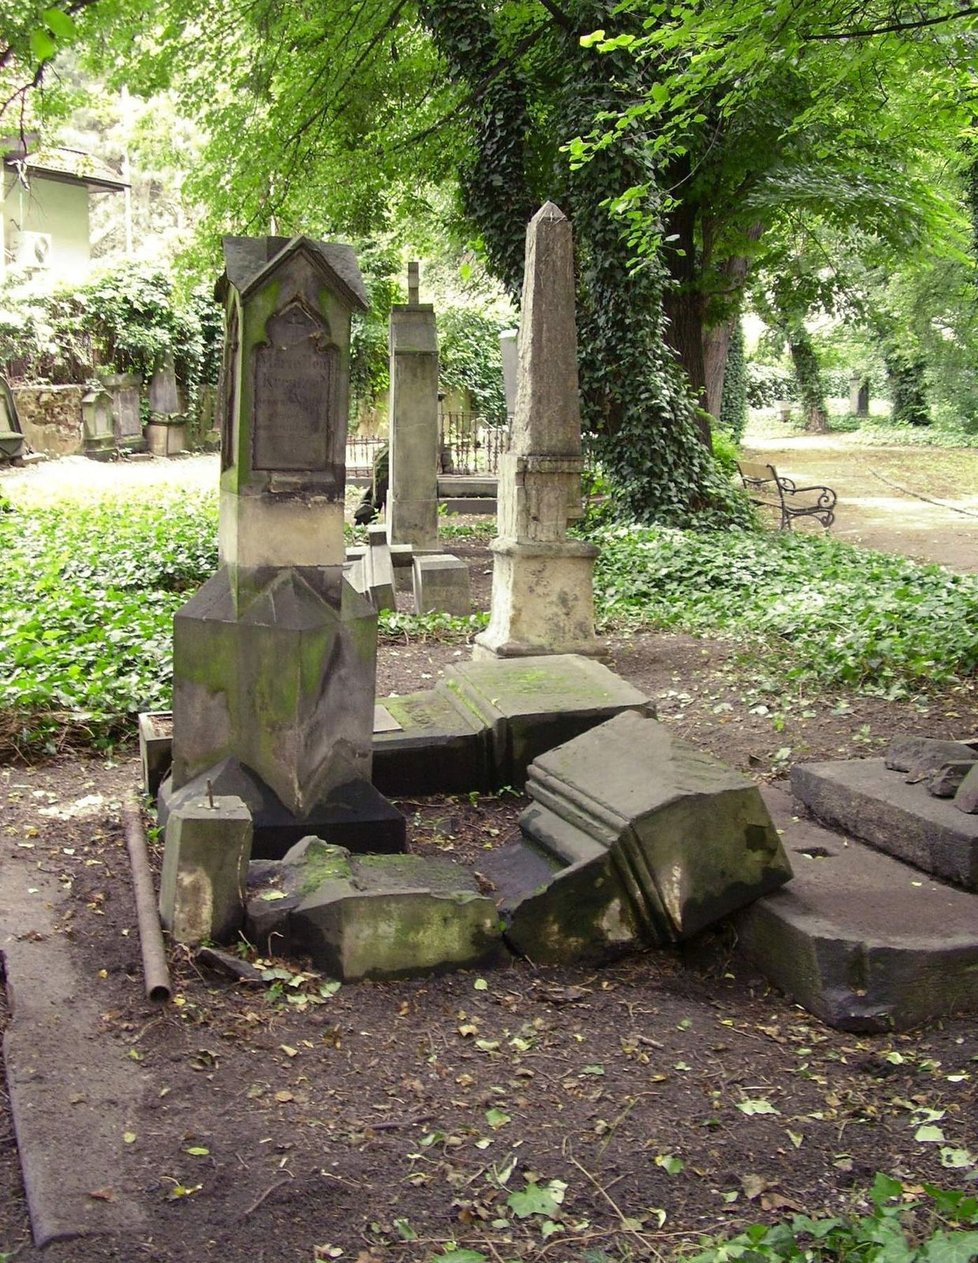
pixel 915 25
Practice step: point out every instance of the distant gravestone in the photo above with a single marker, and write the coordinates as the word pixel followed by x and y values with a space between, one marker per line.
pixel 412 502
pixel 124 389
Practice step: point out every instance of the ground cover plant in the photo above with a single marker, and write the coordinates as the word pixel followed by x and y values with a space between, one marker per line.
pixel 89 590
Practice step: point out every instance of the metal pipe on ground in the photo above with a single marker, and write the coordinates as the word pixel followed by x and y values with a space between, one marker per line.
pixel 156 974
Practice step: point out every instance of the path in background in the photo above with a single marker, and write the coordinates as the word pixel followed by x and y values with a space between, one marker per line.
pixel 918 502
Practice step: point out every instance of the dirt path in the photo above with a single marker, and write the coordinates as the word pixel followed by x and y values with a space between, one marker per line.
pixel 921 503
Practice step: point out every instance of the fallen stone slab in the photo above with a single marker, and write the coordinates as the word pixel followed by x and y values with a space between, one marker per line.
pixel 371 916
pixel 634 838
pixel 72 1094
pixel 863 798
pixel 433 744
pixel 862 940
pixel 532 704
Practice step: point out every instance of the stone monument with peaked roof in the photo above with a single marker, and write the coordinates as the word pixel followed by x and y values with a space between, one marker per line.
pixel 274 658
pixel 542 594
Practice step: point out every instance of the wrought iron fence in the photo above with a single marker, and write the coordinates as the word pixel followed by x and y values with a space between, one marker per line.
pixel 472 443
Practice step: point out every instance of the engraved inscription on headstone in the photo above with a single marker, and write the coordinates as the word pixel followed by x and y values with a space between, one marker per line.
pixel 296 378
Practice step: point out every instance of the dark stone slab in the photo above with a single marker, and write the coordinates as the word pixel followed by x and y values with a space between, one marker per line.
pixel 861 940
pixel 948 779
pixel 863 798
pixel 441 747
pixel 355 815
pixel 532 704
pixel 966 799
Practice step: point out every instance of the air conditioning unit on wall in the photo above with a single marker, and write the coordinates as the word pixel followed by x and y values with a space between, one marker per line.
pixel 33 249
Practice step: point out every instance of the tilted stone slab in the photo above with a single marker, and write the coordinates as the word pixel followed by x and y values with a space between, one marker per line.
pixel 647 841
pixel 532 704
pixel 910 754
pixel 861 940
pixel 865 799
pixel 375 916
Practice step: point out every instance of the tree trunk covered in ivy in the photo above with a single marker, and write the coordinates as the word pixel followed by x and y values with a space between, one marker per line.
pixel 636 409
pixel 809 378
pixel 905 374
pixel 733 406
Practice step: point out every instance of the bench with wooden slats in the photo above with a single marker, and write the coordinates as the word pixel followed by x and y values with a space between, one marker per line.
pixel 771 490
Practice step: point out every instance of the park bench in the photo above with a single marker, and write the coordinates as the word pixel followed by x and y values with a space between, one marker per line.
pixel 771 490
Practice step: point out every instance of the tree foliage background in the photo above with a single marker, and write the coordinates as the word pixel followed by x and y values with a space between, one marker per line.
pixel 699 151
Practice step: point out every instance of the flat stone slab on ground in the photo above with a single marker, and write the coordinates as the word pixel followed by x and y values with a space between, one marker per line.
pixel 861 940
pixel 438 747
pixel 373 916
pixel 59 1104
pixel 865 799
pixel 533 704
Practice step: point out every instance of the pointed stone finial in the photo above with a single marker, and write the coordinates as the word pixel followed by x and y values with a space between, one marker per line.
pixel 548 416
pixel 414 284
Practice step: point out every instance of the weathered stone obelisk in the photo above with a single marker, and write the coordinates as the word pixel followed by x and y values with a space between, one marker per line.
pixel 274 658
pixel 542 596
pixel 412 501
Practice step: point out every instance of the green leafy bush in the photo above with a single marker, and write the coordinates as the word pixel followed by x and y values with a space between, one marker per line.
pixel 832 614
pixel 893 1231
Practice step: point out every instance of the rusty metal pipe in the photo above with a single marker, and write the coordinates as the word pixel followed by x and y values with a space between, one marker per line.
pixel 156 974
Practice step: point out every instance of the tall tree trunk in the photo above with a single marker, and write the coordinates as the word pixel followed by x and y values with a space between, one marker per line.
pixel 809 379
pixel 716 347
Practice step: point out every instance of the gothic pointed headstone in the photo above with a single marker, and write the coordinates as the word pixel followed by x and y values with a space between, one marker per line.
pixel 542 591
pixel 274 658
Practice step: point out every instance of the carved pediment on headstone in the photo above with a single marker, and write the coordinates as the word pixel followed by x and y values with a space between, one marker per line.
pixel 250 261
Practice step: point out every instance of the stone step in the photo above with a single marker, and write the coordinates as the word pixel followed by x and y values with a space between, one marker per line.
pixel 865 799
pixel 862 940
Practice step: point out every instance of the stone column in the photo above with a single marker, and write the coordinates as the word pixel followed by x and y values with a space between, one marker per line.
pixel 412 501
pixel 542 597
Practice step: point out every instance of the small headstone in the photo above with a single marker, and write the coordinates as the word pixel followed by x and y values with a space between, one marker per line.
pixel 441 582
pixel 379 570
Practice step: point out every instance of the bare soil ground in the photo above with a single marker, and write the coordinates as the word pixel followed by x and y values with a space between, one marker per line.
pixel 672 1094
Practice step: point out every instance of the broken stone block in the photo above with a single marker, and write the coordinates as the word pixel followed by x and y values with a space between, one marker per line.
pixel 924 754
pixel 379 570
pixel 373 916
pixel 862 798
pixel 947 780
pixel 634 837
pixel 205 866
pixel 966 799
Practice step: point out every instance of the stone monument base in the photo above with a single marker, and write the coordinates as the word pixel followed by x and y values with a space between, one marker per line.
pixel 542 601
pixel 354 815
